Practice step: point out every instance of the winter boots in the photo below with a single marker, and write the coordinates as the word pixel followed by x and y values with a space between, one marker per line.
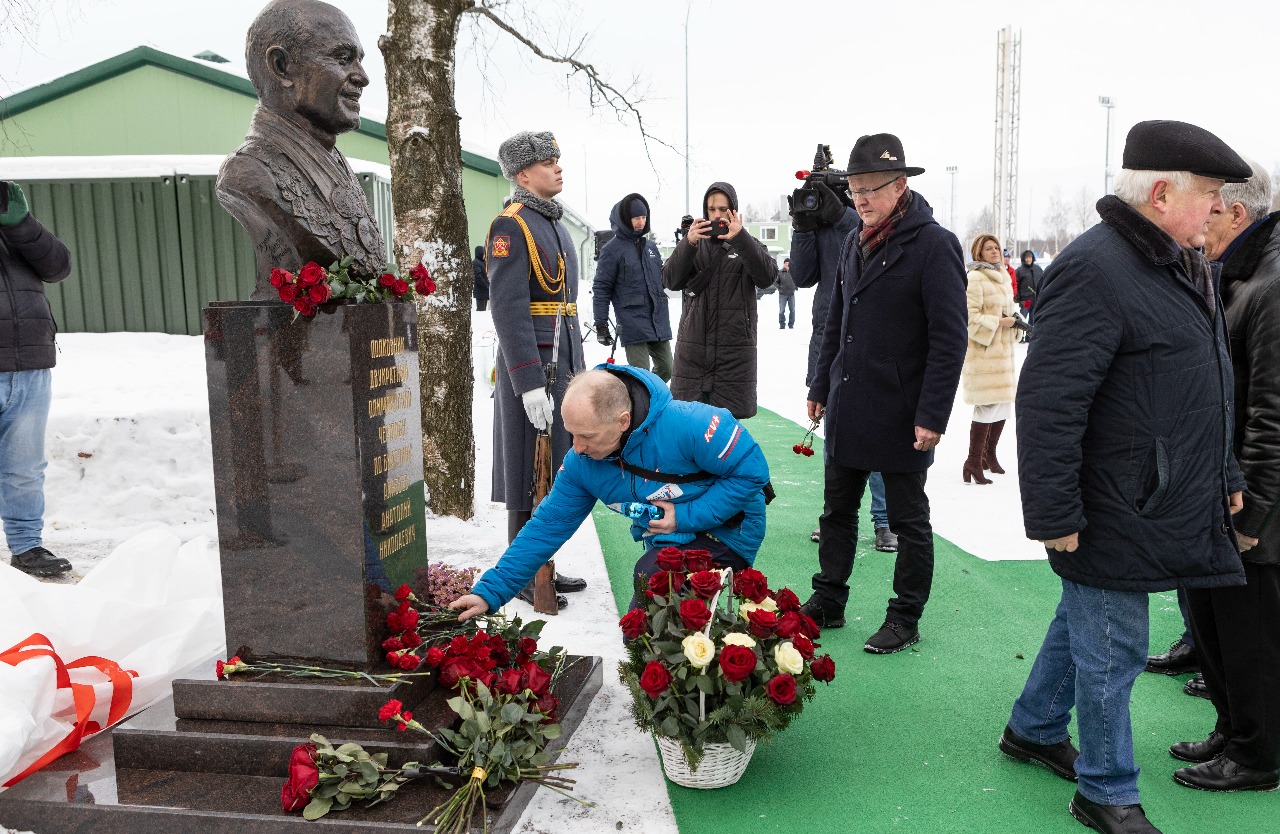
pixel 977 451
pixel 989 455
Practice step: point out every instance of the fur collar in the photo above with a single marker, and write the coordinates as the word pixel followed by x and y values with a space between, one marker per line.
pixel 996 270
pixel 1244 261
pixel 549 209
pixel 1146 237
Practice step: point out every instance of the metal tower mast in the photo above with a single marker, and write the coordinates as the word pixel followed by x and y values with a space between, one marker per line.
pixel 1008 112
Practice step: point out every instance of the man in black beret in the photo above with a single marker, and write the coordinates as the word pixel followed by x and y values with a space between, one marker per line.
pixel 1124 454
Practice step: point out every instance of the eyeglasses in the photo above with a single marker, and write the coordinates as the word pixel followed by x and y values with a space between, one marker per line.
pixel 867 192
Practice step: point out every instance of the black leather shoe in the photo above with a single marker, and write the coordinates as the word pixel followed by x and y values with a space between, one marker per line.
pixel 569 584
pixel 892 637
pixel 1179 660
pixel 823 618
pixel 1224 775
pixel 1059 758
pixel 1111 819
pixel 886 541
pixel 40 562
pixel 1200 751
pixel 526 594
pixel 1196 687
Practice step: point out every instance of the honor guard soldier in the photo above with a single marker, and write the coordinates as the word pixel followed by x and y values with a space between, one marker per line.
pixel 533 291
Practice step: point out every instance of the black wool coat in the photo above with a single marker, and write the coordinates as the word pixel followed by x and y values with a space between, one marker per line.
pixel 815 260
pixel 1125 415
pixel 30 257
pixel 893 345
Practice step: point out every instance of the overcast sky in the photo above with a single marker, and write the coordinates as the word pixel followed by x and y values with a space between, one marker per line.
pixel 770 80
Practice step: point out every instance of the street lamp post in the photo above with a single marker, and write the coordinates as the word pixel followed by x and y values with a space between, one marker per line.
pixel 1109 104
pixel 687 9
pixel 951 169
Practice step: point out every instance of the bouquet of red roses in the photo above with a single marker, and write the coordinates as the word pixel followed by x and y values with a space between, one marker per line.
pixel 314 285
pixel 702 673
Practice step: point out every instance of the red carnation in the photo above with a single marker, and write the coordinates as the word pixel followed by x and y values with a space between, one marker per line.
pixel 705 583
pixel 695 614
pixel 404 725
pixel 304 775
pixel 664 583
pixel 387 280
pixel 787 600
pixel 408 661
pixel 411 640
pixel 803 645
pixel 403 593
pixel 824 669
pixel 312 275
pixel 400 288
pixel 696 560
pixel 435 656
pixel 458 645
pixel 762 623
pixel 670 558
pixel 634 623
pixel 393 623
pixel 392 644
pixel 655 679
pixel 390 710
pixel 280 277
pixel 751 583
pixel 737 662
pixel 289 293
pixel 782 689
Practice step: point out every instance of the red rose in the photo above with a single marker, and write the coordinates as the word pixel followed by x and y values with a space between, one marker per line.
pixel 697 560
pixel 312 274
pixel 705 583
pixel 751 583
pixel 762 623
pixel 488 679
pixel 737 663
pixel 665 583
pixel 535 678
pixel 435 656
pixel 634 623
pixel 509 682
pixel 454 671
pixel 789 625
pixel 808 451
pixel 420 272
pixel 787 600
pixel 400 288
pixel 782 689
pixel 387 280
pixel 803 645
pixel 319 294
pixel 527 645
pixel 501 656
pixel 655 679
pixel 798 449
pixel 280 277
pixel 303 777
pixel 824 669
pixel 289 293
pixel 390 710
pixel 670 558
pixel 305 306
pixel 694 614
pixel 547 704
pixel 425 286
pixel 808 627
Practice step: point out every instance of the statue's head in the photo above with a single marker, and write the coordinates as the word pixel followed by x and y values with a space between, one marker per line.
pixel 303 58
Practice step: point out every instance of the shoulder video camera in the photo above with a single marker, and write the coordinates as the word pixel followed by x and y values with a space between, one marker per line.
pixel 806 197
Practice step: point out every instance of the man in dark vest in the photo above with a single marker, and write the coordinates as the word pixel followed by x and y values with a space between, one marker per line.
pixel 289 187
pixel 533 294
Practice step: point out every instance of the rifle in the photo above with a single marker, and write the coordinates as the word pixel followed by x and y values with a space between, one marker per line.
pixel 544 581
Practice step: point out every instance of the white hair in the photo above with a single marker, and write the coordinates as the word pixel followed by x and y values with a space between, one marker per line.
pixel 1254 195
pixel 1134 187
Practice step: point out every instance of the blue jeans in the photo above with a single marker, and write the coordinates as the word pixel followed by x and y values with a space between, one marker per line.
pixel 24 411
pixel 879 515
pixel 785 303
pixel 1095 649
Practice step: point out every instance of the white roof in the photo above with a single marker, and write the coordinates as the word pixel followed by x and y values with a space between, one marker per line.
pixel 134 167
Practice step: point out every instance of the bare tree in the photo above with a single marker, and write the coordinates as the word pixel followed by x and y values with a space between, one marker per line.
pixel 1083 214
pixel 1056 220
pixel 425 148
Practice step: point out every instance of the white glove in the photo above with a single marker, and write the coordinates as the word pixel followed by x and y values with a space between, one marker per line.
pixel 538 407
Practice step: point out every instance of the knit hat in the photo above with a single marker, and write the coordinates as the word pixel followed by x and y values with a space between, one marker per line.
pixel 638 208
pixel 524 149
pixel 1164 145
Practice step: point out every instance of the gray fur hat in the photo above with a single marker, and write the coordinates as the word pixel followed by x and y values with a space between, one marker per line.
pixel 524 149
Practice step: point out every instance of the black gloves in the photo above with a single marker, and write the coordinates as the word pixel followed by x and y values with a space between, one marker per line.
pixel 603 336
pixel 830 207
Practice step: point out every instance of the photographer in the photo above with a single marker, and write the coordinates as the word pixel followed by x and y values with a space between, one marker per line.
pixel 629 277
pixel 718 266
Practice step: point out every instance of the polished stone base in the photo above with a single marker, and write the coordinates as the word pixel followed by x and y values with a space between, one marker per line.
pixel 158 773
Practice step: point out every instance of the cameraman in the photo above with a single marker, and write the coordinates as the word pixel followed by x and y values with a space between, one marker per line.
pixel 718 266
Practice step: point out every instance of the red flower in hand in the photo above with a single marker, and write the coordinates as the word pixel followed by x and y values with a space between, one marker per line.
pixel 694 614
pixel 751 583
pixel 304 775
pixel 655 679
pixel 737 662
pixel 782 689
pixel 824 669
pixel 634 623
pixel 696 560
pixel 671 559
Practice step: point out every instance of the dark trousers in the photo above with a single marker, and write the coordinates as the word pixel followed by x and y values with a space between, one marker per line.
pixel 838 539
pixel 1237 633
pixel 648 563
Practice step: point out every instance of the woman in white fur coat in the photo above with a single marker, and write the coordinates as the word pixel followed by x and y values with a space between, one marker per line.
pixel 988 380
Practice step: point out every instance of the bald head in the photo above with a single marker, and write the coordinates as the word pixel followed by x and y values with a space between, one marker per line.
pixel 596 411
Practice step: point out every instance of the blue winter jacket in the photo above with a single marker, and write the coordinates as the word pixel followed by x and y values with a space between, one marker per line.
pixel 676 437
pixel 629 276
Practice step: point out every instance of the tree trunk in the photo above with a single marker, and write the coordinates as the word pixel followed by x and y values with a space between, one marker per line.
pixel 431 226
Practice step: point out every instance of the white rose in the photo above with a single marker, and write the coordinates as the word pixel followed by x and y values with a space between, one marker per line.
pixel 700 651
pixel 747 607
pixel 735 638
pixel 788 658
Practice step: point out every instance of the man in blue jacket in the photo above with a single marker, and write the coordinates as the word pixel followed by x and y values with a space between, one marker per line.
pixel 892 350
pixel 629 276
pixel 1124 455
pixel 633 442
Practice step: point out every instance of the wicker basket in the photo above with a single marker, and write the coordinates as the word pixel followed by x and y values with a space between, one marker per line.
pixel 721 764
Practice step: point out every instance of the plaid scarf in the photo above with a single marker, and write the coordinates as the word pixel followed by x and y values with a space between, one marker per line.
pixel 870 238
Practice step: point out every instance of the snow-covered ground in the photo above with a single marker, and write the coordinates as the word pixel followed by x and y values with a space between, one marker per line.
pixel 129 450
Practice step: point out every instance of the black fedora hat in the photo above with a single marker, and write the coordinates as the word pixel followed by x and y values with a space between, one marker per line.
pixel 879 152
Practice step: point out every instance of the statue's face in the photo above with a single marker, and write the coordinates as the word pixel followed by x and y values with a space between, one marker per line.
pixel 328 78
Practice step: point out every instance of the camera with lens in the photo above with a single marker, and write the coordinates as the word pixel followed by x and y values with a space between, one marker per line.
pixel 1020 322
pixel 807 198
pixel 685 223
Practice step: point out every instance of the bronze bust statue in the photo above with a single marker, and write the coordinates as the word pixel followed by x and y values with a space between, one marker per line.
pixel 287 185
